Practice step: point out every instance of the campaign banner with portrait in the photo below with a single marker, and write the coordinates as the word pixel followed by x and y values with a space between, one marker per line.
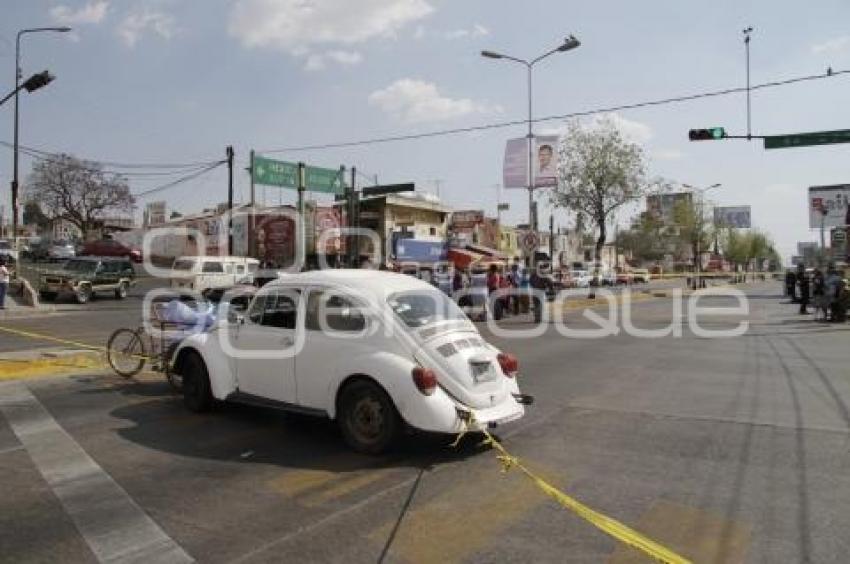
pixel 829 205
pixel 544 162
pixel 732 216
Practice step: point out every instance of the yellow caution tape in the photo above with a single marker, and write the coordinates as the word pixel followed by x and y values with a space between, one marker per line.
pixel 604 523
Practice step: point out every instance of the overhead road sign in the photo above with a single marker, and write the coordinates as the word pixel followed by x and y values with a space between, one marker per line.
pixel 275 173
pixel 807 139
pixel 327 180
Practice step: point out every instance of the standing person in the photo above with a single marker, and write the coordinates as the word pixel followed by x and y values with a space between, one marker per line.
pixel 791 285
pixel 803 284
pixel 4 282
pixel 821 301
pixel 514 278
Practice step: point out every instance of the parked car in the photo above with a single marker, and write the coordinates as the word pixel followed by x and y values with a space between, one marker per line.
pixel 110 248
pixel 8 252
pixel 205 274
pixel 374 351
pixel 641 275
pixel 625 277
pixel 84 277
pixel 580 278
pixel 52 251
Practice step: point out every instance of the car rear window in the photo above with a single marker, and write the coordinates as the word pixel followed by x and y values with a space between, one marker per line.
pixel 424 307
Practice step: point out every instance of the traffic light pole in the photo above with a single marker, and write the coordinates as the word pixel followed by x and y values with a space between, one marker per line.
pixel 747 33
pixel 230 200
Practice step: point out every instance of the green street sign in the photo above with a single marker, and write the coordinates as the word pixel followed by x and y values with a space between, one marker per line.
pixel 275 173
pixel 807 139
pixel 327 180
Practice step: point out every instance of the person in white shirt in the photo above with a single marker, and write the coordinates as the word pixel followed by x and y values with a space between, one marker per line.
pixel 4 282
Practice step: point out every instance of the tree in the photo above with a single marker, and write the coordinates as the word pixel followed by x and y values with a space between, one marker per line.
pixel 693 229
pixel 599 171
pixel 77 191
pixel 32 215
pixel 176 215
pixel 645 240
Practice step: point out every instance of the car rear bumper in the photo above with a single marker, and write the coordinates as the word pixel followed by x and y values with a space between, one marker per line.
pixel 443 414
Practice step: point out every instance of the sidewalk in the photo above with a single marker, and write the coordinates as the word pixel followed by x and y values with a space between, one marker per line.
pixel 15 309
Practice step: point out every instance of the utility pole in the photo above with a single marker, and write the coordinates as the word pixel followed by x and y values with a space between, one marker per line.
pixel 352 243
pixel 747 33
pixel 230 199
pixel 301 232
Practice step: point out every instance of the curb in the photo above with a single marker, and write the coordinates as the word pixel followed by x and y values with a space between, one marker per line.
pixel 35 364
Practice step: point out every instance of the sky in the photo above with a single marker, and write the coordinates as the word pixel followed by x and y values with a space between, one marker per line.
pixel 176 81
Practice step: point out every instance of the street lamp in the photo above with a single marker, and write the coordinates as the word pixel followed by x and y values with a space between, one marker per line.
pixel 569 43
pixel 698 257
pixel 18 77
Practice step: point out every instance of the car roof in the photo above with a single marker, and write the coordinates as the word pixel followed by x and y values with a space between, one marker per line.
pixel 375 282
pixel 101 259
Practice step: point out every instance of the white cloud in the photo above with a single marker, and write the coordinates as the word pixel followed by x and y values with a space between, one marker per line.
pixel 477 30
pixel 90 13
pixel 318 61
pixel 297 25
pixel 837 45
pixel 136 24
pixel 417 101
pixel 634 130
pixel 419 33
pixel 667 154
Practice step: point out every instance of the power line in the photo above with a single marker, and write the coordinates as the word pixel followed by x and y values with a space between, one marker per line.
pixel 51 155
pixel 174 183
pixel 499 125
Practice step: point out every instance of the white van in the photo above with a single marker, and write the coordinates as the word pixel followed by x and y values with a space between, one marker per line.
pixel 201 274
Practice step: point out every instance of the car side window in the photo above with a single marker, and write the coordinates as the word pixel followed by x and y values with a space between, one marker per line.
pixel 240 269
pixel 281 309
pixel 332 311
pixel 213 267
pixel 255 312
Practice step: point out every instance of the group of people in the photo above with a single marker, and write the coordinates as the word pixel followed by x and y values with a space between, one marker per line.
pixel 826 292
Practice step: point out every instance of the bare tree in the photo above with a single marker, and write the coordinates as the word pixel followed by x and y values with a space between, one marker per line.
pixel 77 191
pixel 599 171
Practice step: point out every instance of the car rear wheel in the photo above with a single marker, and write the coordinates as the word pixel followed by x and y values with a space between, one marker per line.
pixel 121 291
pixel 367 417
pixel 196 384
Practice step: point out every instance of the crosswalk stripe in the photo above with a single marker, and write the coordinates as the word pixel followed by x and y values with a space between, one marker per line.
pixel 114 526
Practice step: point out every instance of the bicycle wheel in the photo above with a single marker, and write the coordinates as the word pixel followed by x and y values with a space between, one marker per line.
pixel 125 352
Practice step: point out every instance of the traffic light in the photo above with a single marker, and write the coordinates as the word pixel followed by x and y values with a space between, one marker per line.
pixel 710 134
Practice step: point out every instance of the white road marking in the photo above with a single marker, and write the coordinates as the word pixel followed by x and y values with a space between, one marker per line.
pixel 114 526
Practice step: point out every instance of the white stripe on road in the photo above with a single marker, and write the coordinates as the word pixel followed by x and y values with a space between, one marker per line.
pixel 114 526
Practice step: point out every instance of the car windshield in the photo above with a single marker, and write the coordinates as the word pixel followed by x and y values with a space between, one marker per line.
pixel 424 307
pixel 183 264
pixel 80 265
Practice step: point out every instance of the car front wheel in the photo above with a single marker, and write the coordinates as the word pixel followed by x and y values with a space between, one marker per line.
pixel 121 291
pixel 84 294
pixel 367 417
pixel 196 384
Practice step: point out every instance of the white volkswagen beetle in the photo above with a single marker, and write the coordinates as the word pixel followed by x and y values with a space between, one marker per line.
pixel 372 350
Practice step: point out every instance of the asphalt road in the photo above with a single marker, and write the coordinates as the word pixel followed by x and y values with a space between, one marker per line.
pixel 726 450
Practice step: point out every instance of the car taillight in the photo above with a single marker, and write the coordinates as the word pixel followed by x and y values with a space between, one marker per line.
pixel 425 380
pixel 509 364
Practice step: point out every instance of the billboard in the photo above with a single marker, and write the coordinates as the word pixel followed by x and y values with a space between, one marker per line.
pixel 415 250
pixel 661 206
pixel 544 159
pixel 732 216
pixel 834 200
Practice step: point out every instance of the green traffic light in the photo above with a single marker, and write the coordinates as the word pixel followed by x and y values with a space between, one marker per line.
pixel 718 132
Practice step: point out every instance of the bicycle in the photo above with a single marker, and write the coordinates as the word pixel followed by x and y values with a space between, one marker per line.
pixel 127 352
